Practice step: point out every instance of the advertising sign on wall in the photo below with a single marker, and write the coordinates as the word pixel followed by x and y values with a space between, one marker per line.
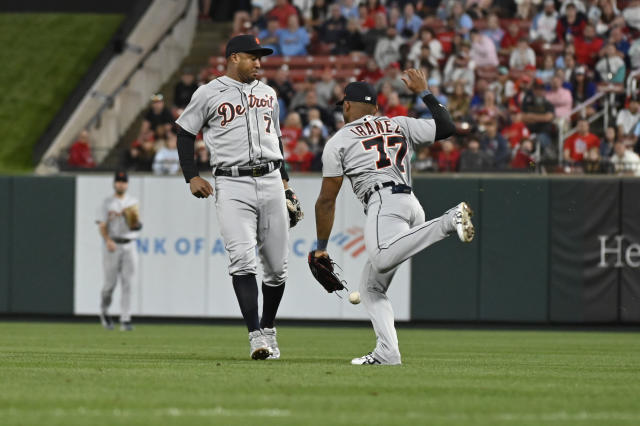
pixel 182 264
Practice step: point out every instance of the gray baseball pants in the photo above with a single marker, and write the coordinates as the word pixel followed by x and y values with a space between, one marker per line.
pixel 120 263
pixel 395 230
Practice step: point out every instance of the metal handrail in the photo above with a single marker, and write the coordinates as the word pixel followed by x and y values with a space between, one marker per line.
pixel 108 99
pixel 632 82
pixel 562 135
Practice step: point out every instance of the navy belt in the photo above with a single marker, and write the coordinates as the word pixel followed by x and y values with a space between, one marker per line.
pixel 121 240
pixel 255 171
pixel 395 189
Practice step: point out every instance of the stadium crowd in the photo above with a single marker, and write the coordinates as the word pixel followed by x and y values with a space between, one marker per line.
pixel 510 72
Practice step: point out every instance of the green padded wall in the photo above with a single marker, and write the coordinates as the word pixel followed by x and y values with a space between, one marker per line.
pixel 444 277
pixel 5 229
pixel 42 241
pixel 630 273
pixel 513 234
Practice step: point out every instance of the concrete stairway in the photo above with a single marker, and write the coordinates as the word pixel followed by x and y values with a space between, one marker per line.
pixel 209 37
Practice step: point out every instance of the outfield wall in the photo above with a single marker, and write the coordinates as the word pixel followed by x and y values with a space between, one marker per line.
pixel 548 250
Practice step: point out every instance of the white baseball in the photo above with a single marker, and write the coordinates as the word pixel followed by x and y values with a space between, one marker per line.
pixel 354 297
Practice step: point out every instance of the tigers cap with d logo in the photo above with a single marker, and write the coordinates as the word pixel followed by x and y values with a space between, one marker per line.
pixel 246 43
pixel 359 91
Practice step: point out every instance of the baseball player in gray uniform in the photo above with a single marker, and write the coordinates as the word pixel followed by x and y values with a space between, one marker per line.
pixel 119 228
pixel 238 115
pixel 374 153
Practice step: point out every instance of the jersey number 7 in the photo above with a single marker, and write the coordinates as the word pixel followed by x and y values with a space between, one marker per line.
pixel 380 143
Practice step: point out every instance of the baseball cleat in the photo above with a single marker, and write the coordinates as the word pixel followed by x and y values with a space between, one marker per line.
pixel 106 321
pixel 259 347
pixel 270 337
pixel 462 222
pixel 126 326
pixel 368 359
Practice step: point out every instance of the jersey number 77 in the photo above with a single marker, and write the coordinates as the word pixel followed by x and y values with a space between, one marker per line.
pixel 381 143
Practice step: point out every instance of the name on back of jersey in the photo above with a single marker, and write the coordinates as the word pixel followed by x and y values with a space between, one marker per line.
pixel 377 128
pixel 229 111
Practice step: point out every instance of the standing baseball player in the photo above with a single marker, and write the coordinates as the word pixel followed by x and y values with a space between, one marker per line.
pixel 374 153
pixel 255 206
pixel 119 225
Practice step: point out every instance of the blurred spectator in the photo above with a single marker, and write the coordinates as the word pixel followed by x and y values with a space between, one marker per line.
pixel 503 87
pixel 560 98
pixel 311 102
pixel 420 108
pixel 393 76
pixel 571 24
pixel 319 12
pixel 158 115
pixel 494 31
pixel 349 9
pixel 373 8
pixel 241 23
pixel 334 28
pixel 473 159
pixel 371 73
pixel 588 46
pixel 628 118
pixel 315 141
pixel 301 157
pixel 577 145
pixel 258 18
pixel 184 89
pixel 352 40
pixel 523 159
pixel 282 85
pixel 449 157
pixel 375 34
pixel 459 101
pixel 611 67
pixel 388 48
pixel 606 144
pixel 625 161
pixel 409 23
pixel 483 50
pixel 582 87
pixel 510 40
pixel 80 152
pixel 495 146
pixel 463 22
pixel 203 162
pixel 291 132
pixel 608 18
pixel 525 8
pixel 269 36
pixel 538 114
pixel 293 40
pixel 522 56
pixel 424 162
pixel 140 155
pixel 166 160
pixel 543 26
pixel 547 71
pixel 427 38
pixel 516 131
pixel 634 53
pixel 282 11
pixel 394 108
pixel 620 41
pixel 458 69
pixel 593 163
pixel 489 110
pixel 325 87
pixel 314 120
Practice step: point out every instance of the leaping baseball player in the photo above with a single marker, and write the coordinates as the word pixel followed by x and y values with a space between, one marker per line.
pixel 374 153
pixel 255 206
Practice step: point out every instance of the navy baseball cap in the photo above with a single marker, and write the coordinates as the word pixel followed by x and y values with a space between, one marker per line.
pixel 121 176
pixel 246 43
pixel 359 91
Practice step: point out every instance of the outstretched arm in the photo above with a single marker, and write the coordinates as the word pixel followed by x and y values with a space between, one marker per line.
pixel 325 211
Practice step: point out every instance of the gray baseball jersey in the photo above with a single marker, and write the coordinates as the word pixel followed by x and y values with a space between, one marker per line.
pixel 240 121
pixel 373 150
pixel 121 263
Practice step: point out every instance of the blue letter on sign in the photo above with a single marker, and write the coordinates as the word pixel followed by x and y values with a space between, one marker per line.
pixel 183 246
pixel 158 245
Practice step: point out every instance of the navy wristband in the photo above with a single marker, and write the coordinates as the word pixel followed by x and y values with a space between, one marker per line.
pixel 322 244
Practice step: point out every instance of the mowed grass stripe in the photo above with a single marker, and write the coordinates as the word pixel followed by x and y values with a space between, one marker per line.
pixel 77 374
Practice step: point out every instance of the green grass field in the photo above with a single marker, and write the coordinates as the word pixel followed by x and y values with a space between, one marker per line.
pixel 43 58
pixel 80 374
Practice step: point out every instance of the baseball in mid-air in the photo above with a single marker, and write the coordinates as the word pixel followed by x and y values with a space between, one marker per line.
pixel 354 297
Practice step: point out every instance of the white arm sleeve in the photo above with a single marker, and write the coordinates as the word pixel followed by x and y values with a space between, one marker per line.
pixel 417 130
pixel 275 117
pixel 331 160
pixel 193 117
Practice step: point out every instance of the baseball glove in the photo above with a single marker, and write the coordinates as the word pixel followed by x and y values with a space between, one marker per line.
pixel 293 207
pixel 322 270
pixel 132 216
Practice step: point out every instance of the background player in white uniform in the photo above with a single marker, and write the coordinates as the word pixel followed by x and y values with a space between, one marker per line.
pixel 239 118
pixel 119 251
pixel 374 153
